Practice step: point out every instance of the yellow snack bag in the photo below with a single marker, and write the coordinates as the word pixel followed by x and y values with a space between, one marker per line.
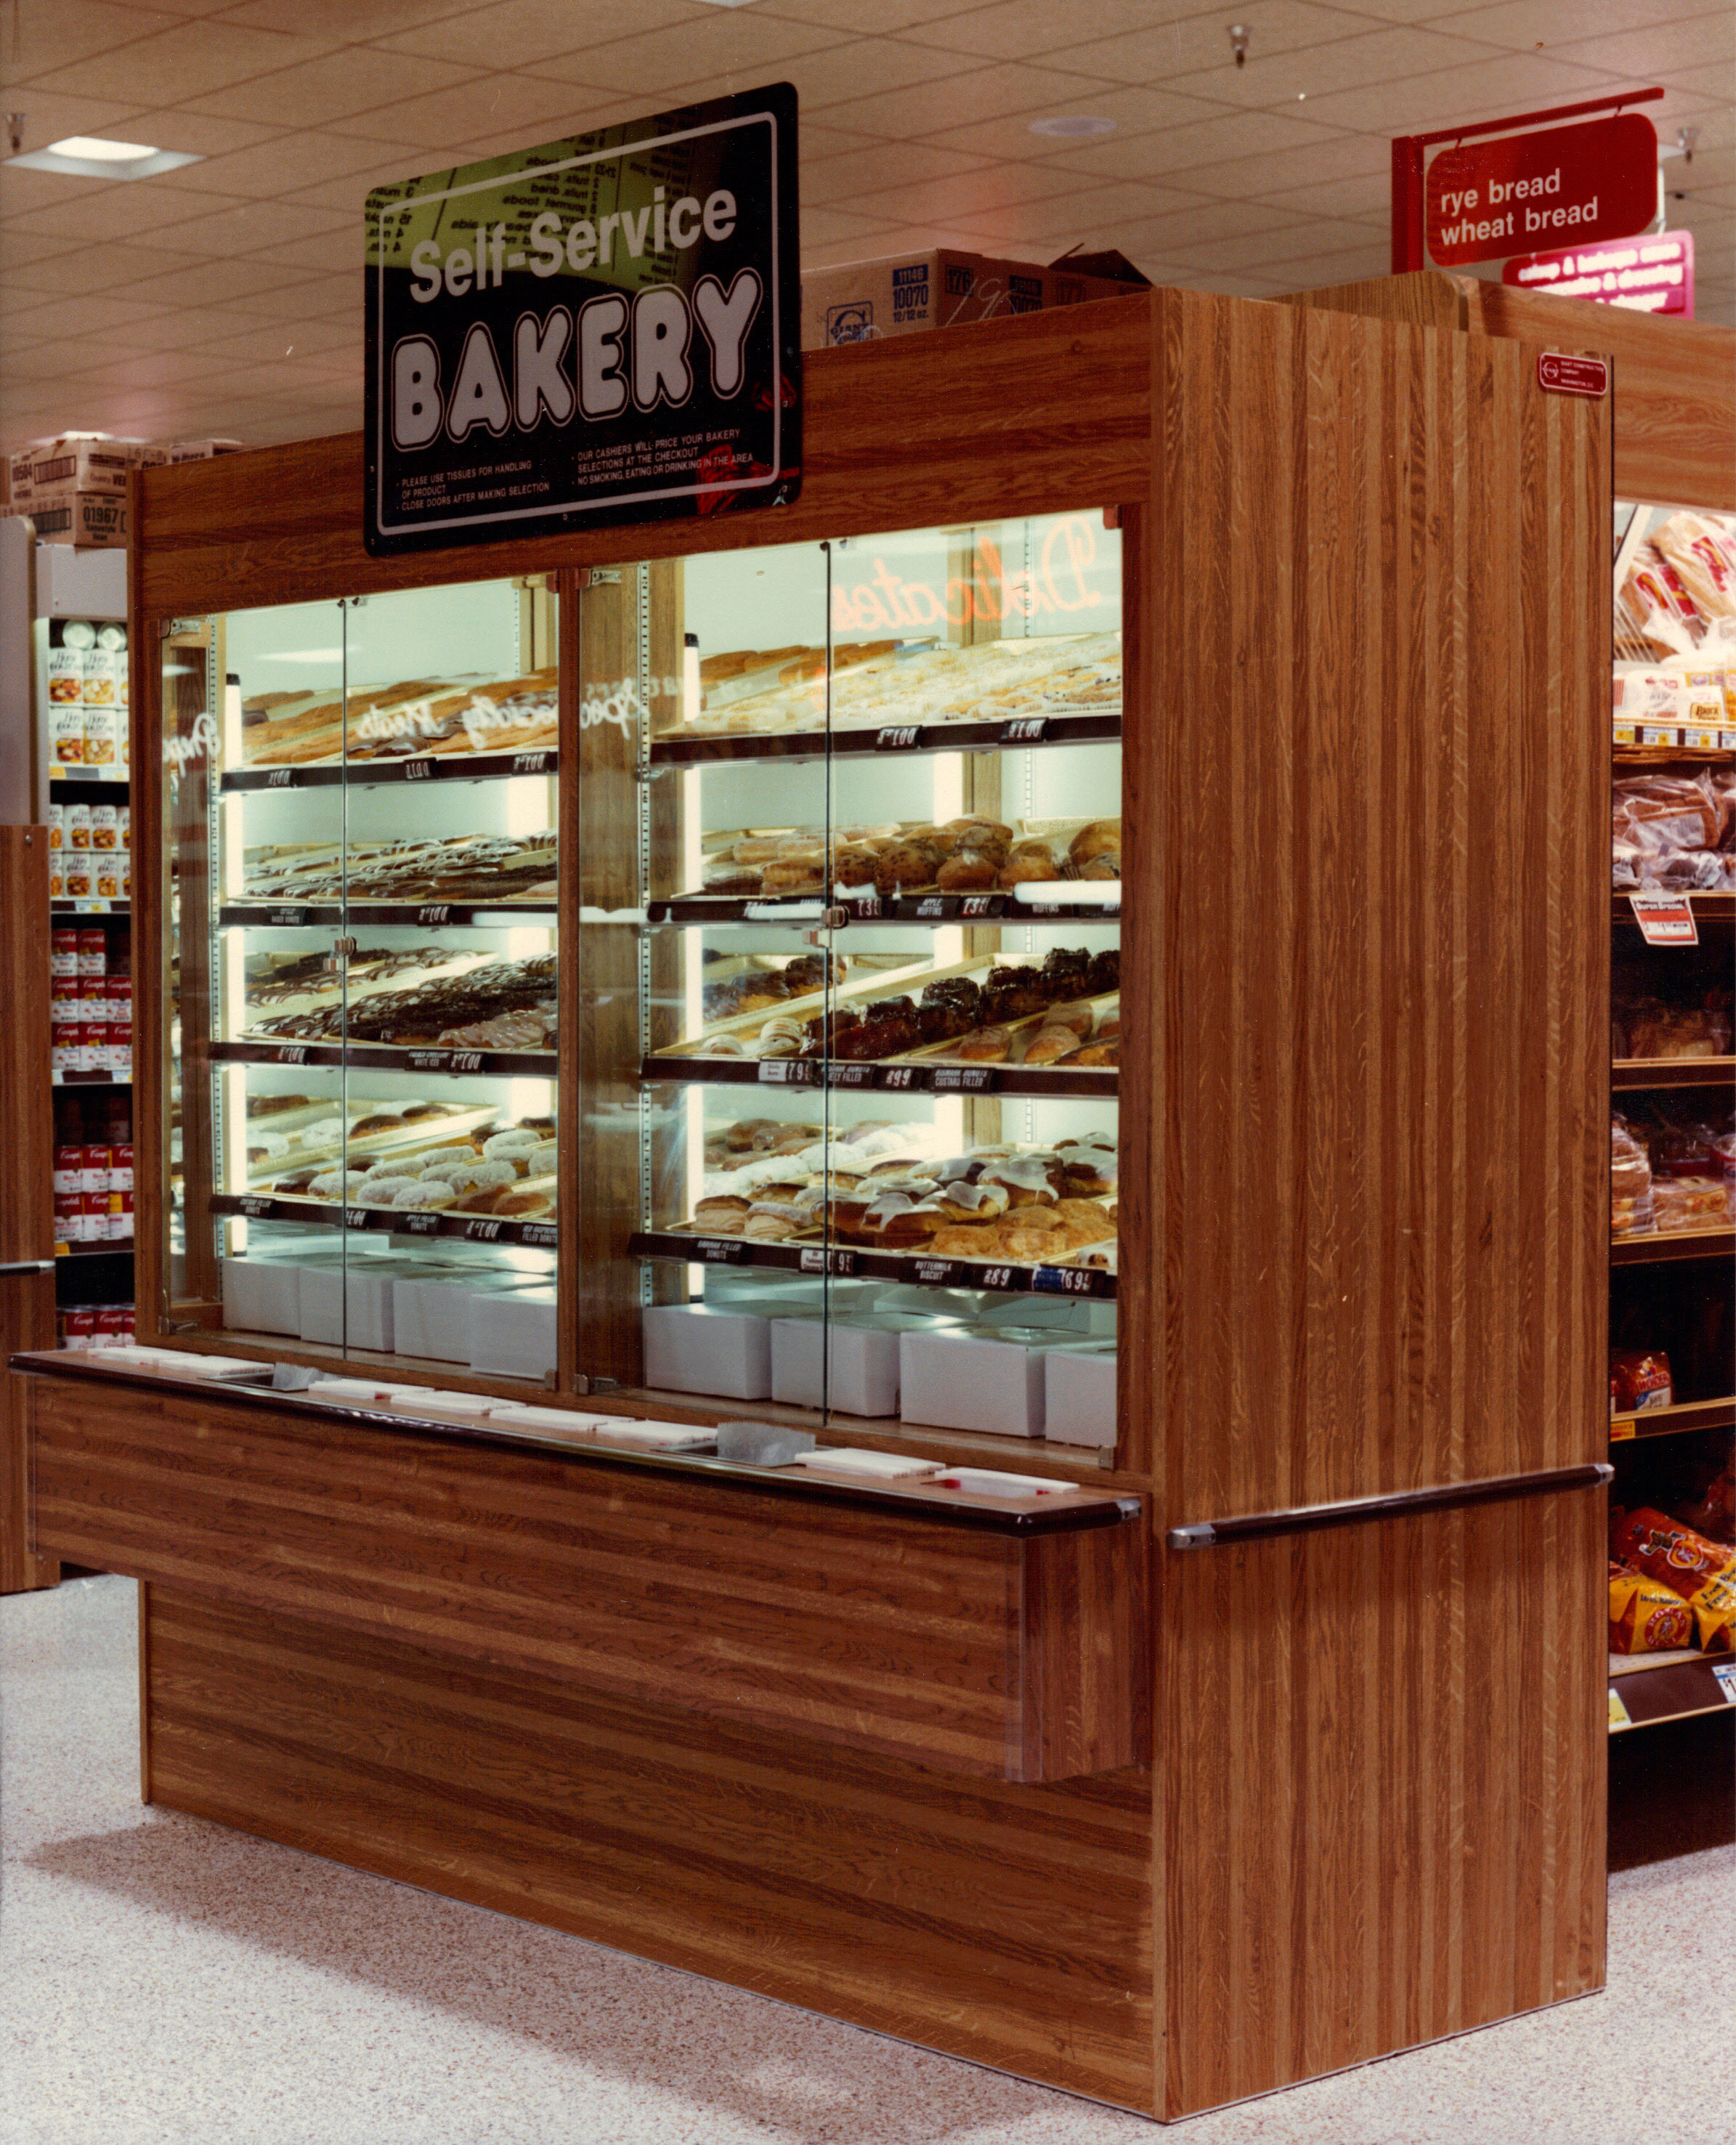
pixel 1715 1613
pixel 1646 1617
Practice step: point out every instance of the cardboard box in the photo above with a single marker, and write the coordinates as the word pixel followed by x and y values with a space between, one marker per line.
pixel 864 1365
pixel 261 1295
pixel 691 1349
pixel 973 1381
pixel 1079 1395
pixel 92 520
pixel 512 1332
pixel 866 300
pixel 77 461
pixel 198 450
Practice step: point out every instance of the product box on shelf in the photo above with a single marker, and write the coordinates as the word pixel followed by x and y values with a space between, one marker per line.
pixel 89 521
pixel 1079 1394
pixel 79 461
pixel 982 1378
pixel 690 1348
pixel 199 450
pixel 864 300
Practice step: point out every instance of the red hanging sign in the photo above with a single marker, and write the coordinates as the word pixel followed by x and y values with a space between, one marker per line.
pixel 1484 200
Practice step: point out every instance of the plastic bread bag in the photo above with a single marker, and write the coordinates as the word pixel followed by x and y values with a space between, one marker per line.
pixel 1700 552
pixel 1677 1556
pixel 1639 1379
pixel 1630 1183
pixel 1645 1616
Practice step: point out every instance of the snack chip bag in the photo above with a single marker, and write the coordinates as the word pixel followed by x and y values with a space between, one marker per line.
pixel 1673 1555
pixel 1645 1617
pixel 1715 1613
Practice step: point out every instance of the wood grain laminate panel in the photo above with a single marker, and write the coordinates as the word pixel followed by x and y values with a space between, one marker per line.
pixel 1414 1715
pixel 27 1182
pixel 902 1634
pixel 1368 837
pixel 1046 412
pixel 1007 1925
pixel 1674 389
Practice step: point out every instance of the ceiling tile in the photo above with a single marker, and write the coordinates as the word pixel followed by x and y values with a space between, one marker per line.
pixel 285 164
pixel 178 63
pixel 341 21
pixel 50 118
pixel 117 211
pixel 74 313
pixel 1379 55
pixel 826 77
pixel 1334 202
pixel 100 267
pixel 1525 23
pixel 729 48
pixel 1257 136
pixel 839 226
pixel 196 134
pixel 250 226
pixel 523 33
pixel 1336 156
pixel 327 252
pixel 864 174
pixel 1194 43
pixel 340 83
pixel 1660 52
pixel 250 286
pixel 1021 29
pixel 527 108
pixel 997 190
pixel 1138 114
pixel 1178 234
pixel 40 38
pixel 861 18
pixel 1482 89
pixel 1319 272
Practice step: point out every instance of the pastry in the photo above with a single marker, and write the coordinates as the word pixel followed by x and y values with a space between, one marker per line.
pixel 1097 839
pixel 978 1203
pixel 1029 862
pixel 1097 1054
pixel 1048 1044
pixel 1091 1175
pixel 297 1185
pixel 427 1194
pixel 722 1215
pixel 1027 1179
pixel 967 871
pixel 793 875
pixel 526 1200
pixel 383 1191
pixel 1107 865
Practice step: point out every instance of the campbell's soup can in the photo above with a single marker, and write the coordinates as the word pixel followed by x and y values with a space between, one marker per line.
pixel 120 1217
pixel 68 1171
pixel 64 1001
pixel 94 1167
pixel 118 992
pixel 119 1035
pixel 65 1052
pixel 96 1216
pixel 63 953
pixel 56 826
pixel 94 951
pixel 81 1327
pixel 68 1216
pixel 93 1042
pixel 92 1001
pixel 120 1166
pixel 78 826
pixel 114 1324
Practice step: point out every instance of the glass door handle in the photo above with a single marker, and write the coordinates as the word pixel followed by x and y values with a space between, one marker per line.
pixel 11 1268
pixel 1394 1504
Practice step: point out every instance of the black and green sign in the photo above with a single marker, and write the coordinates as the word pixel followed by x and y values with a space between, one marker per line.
pixel 602 330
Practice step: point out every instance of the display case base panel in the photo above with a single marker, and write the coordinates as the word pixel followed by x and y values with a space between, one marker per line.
pixel 1010 1925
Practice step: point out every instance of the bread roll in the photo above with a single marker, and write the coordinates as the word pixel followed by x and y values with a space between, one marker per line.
pixel 1093 840
pixel 967 871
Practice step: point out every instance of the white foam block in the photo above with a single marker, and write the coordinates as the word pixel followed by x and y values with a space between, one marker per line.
pixel 690 1348
pixel 510 1416
pixel 863 1365
pixel 512 1332
pixel 622 1431
pixel 261 1295
pixel 1079 1396
pixel 963 1382
pixel 852 1459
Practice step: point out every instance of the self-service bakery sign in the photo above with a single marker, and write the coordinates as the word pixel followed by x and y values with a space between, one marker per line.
pixel 600 330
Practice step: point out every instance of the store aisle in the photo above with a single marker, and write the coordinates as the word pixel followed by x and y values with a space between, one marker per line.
pixel 164 1982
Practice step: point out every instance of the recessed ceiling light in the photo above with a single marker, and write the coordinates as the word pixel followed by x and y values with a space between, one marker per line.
pixel 90 156
pixel 1074 126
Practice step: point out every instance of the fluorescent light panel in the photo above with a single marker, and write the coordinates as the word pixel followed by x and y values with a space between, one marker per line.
pixel 90 156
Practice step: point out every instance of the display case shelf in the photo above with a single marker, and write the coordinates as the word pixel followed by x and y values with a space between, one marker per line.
pixel 1646 1690
pixel 120 1250
pixel 89 907
pixel 121 775
pixel 1669 1421
pixel 1018 735
pixel 704 910
pixel 371 773
pixel 1093 1083
pixel 424 916
pixel 385 1057
pixel 841 1259
pixel 84 1080
pixel 387 1221
pixel 1674 1245
pixel 1636 1076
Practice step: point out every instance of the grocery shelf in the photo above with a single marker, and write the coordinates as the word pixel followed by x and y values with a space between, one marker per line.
pixel 1019 735
pixel 1664 1249
pixel 419 767
pixel 1082 1083
pixel 386 1221
pixel 122 1248
pixel 1632 1075
pixel 1707 907
pixel 1648 1689
pixel 384 1058
pixel 90 909
pixel 839 1259
pixel 85 1080
pixel 1668 1421
pixel 930 908
pixel 121 775
pixel 420 915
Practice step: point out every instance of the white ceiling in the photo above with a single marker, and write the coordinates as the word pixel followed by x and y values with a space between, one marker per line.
pixel 225 297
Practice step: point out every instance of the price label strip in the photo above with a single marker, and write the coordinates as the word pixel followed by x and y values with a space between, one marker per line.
pixel 1665 919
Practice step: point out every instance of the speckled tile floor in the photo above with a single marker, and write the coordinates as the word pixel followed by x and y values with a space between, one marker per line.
pixel 164 1982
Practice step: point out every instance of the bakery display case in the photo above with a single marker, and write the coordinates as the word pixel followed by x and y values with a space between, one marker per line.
pixel 859 1153
pixel 1027 1064
pixel 361 973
